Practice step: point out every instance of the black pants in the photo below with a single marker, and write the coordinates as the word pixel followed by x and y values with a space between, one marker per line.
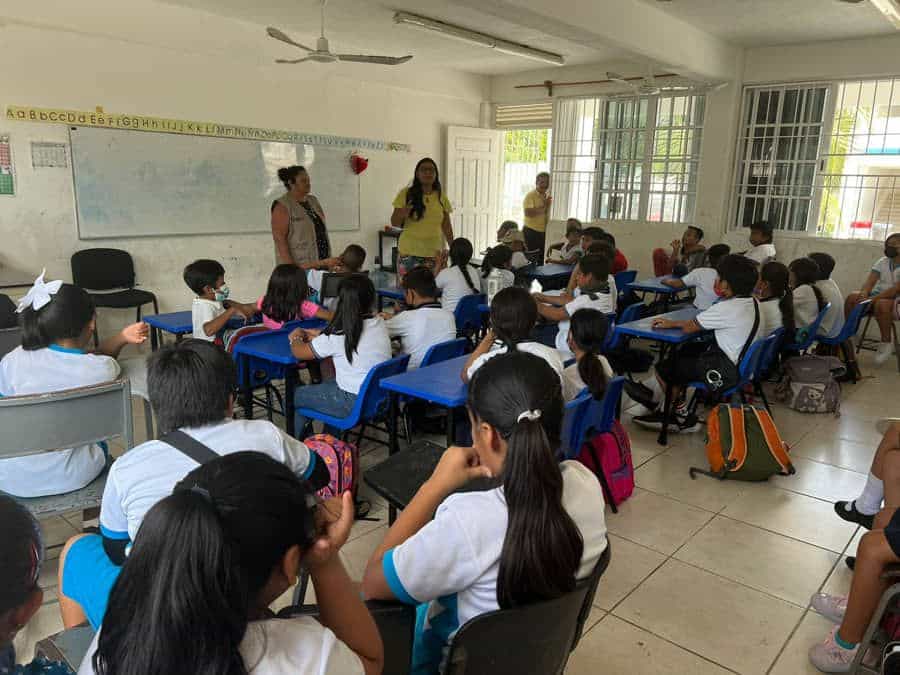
pixel 535 241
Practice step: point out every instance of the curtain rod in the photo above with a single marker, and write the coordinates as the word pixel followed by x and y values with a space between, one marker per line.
pixel 549 84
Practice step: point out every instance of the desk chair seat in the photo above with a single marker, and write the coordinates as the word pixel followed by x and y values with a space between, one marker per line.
pixel 848 330
pixel 127 299
pixel 811 332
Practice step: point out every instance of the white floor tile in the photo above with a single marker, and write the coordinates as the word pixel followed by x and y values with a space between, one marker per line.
pixel 794 659
pixel 655 521
pixel 823 481
pixel 629 565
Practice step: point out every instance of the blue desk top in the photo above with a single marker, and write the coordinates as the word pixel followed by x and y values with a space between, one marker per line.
pixel 440 383
pixel 654 285
pixel 484 309
pixel 273 345
pixel 180 322
pixel 550 270
pixel 643 328
pixel 393 293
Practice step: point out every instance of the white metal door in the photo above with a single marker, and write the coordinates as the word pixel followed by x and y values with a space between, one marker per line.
pixel 474 165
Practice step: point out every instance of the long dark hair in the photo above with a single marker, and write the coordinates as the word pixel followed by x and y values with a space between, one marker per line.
pixel 513 315
pixel 498 256
pixel 414 195
pixel 542 548
pixel 776 274
pixel 21 555
pixel 187 590
pixel 460 254
pixel 588 329
pixel 806 273
pixel 356 299
pixel 64 318
pixel 287 289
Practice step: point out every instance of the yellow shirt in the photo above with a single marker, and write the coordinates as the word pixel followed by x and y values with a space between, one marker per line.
pixel 534 200
pixel 423 237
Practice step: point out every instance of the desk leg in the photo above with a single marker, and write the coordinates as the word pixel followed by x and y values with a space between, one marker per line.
pixel 451 426
pixel 663 437
pixel 290 386
pixel 247 389
pixel 394 446
pixel 154 339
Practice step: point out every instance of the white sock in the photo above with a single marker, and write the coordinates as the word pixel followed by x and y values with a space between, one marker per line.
pixel 869 502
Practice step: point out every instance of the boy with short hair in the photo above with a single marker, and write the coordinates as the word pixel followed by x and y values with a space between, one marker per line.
pixel 687 254
pixel 424 323
pixel 703 279
pixel 516 241
pixel 762 249
pixel 883 287
pixel 191 387
pixel 620 262
pixel 351 261
pixel 569 251
pixel 211 310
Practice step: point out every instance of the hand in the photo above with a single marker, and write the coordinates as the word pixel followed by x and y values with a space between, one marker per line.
pixel 136 333
pixel 335 529
pixel 548 200
pixel 296 334
pixel 457 467
pixel 662 323
pixel 676 246
pixel 331 263
pixel 246 311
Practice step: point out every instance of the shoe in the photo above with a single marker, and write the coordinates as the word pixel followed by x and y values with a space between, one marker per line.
pixel 832 607
pixel 851 515
pixel 829 657
pixel 641 393
pixel 689 424
pixel 850 561
pixel 654 421
pixel 851 373
pixel 891 663
pixel 884 352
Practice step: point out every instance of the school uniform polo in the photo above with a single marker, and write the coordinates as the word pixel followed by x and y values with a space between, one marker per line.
pixel 806 306
pixel 731 321
pixel 202 312
pixel 374 347
pixel 834 317
pixel 761 254
pixel 602 300
pixel 420 328
pixel 454 287
pixel 549 354
pixel 770 318
pixel 888 273
pixel 702 280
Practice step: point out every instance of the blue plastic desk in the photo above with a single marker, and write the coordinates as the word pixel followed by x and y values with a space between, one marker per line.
pixel 550 275
pixel 393 293
pixel 655 285
pixel 176 323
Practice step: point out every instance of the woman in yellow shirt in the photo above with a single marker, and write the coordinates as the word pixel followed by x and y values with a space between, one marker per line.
pixel 423 211
pixel 536 206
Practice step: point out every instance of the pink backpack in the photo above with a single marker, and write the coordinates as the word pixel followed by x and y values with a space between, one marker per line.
pixel 342 460
pixel 608 456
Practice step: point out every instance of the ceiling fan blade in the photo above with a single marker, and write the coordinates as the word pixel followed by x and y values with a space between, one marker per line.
pixel 383 60
pixel 305 58
pixel 278 35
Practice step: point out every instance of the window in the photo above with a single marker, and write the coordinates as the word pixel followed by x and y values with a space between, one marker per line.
pixel 632 158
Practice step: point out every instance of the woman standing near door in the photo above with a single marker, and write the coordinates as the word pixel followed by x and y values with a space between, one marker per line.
pixel 423 211
pixel 536 206
pixel 298 221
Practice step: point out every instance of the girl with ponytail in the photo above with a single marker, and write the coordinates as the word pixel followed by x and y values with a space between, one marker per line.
pixel 526 540
pixel 458 280
pixel 496 271
pixel 808 299
pixel 587 335
pixel 194 593
pixel 776 300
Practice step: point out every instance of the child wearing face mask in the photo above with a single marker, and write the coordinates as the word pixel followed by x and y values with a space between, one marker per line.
pixel 882 286
pixel 212 310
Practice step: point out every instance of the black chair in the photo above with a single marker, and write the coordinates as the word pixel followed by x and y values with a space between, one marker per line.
pixel 543 634
pixel 331 283
pixel 110 271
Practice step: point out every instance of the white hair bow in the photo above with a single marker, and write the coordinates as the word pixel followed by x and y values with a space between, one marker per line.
pixel 40 293
pixel 530 415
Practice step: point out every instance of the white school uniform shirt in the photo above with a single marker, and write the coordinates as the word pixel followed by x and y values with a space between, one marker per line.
pixel 601 301
pixel 374 347
pixel 731 321
pixel 762 253
pixel 149 472
pixel 549 355
pixel 770 318
pixel 806 308
pixel 834 317
pixel 888 274
pixel 452 562
pixel 702 280
pixel 453 286
pixel 203 311
pixel 574 385
pixel 519 260
pixel 299 645
pixel 42 371
pixel 421 328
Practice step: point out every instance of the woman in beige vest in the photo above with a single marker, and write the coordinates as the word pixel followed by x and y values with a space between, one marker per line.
pixel 298 222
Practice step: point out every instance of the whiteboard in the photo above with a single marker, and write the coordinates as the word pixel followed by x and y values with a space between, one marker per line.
pixel 143 184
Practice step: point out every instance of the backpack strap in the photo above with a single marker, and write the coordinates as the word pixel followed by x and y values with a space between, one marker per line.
pixel 738 453
pixel 776 446
pixel 752 335
pixel 190 446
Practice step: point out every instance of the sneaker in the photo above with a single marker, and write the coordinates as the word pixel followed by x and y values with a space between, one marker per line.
pixel 654 421
pixel 689 424
pixel 847 511
pixel 850 561
pixel 891 663
pixel 832 607
pixel 830 657
pixel 884 352
pixel 641 393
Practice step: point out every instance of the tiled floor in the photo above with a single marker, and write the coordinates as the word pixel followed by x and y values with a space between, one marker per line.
pixel 706 577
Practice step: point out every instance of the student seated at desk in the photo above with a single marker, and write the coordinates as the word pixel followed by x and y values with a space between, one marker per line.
pixel 734 321
pixel 834 318
pixel 350 261
pixel 287 298
pixel 58 321
pixel 513 316
pixel 457 280
pixel 496 271
pixel 424 323
pixel 212 310
pixel 761 242
pixel 596 290
pixel 776 300
pixel 191 385
pixel 619 261
pixel 516 242
pixel 687 254
pixel 461 555
pixel 587 335
pixel 505 228
pixel 568 251
pixel 882 285
pixel 357 341
pixel 212 556
pixel 702 279
pixel 808 299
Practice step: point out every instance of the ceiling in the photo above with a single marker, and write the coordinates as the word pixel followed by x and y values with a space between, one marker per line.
pixel 760 23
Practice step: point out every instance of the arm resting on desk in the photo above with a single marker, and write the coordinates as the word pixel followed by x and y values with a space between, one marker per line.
pixel 687 326
pixel 673 283
pixel 553 313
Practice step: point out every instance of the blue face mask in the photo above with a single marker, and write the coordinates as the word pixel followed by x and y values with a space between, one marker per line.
pixel 222 293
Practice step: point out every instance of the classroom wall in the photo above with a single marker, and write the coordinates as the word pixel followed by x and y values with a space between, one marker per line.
pixel 81 71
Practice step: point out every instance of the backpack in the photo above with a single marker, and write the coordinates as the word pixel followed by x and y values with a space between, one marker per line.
pixel 809 384
pixel 742 443
pixel 341 459
pixel 608 456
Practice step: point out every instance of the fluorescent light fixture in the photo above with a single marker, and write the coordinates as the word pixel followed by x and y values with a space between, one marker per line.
pixel 890 9
pixel 480 39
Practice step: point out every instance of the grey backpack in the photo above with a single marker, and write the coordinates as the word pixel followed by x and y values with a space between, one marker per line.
pixel 809 384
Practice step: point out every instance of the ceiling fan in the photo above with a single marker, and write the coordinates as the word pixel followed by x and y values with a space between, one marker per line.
pixel 648 85
pixel 323 54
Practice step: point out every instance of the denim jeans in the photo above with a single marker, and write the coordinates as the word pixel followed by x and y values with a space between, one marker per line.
pixel 326 398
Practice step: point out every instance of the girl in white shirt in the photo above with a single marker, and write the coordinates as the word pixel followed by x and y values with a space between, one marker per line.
pixel 58 322
pixel 356 340
pixel 808 299
pixel 231 539
pixel 458 280
pixel 496 271
pixel 529 539
pixel 776 301
pixel 587 336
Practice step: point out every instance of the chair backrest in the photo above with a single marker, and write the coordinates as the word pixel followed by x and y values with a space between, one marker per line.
pixel 331 283
pixel 241 333
pixel 596 417
pixel 10 338
pixel 102 269
pixel 468 316
pixel 531 640
pixel 749 366
pixel 772 348
pixel 813 329
pixel 444 351
pixel 631 313
pixel 573 424
pixel 624 278
pixel 371 396
pixel 851 324
pixel 65 419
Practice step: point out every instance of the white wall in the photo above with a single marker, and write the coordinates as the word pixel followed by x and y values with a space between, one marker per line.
pixel 82 71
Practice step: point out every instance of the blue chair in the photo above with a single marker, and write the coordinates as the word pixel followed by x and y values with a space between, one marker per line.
pixel 765 362
pixel 748 370
pixel 848 330
pixel 624 278
pixel 370 403
pixel 444 351
pixel 573 424
pixel 812 329
pixel 631 313
pixel 469 318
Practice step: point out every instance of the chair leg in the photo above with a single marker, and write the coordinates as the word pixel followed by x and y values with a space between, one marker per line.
pixel 865 330
pixel 148 419
pixel 269 402
pixel 762 394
